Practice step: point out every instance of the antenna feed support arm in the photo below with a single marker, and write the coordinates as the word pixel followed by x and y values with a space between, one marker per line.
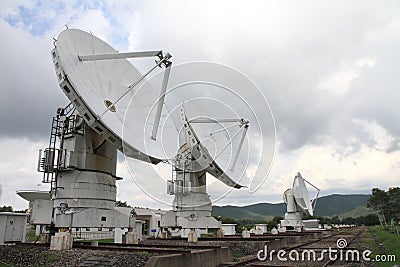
pixel 164 57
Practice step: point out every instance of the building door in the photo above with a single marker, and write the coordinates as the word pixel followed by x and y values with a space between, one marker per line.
pixel 9 229
pixel 13 229
pixel 145 227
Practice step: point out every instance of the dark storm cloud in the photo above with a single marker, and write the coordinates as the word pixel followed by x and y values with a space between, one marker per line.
pixel 324 66
pixel 288 50
pixel 306 114
pixel 29 91
pixel 394 146
pixel 328 68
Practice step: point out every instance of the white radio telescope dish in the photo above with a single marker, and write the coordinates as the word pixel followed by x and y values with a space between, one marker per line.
pixel 297 200
pixel 127 109
pixel 217 163
pixel 118 103
pixel 100 82
pixel 200 121
pixel 223 108
pixel 302 196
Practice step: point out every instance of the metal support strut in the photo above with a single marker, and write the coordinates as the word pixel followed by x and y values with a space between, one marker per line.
pixel 163 60
pixel 160 102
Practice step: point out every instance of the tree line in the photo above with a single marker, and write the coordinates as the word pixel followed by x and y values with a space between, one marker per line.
pixel 368 220
pixel 10 209
pixel 383 202
pixel 386 203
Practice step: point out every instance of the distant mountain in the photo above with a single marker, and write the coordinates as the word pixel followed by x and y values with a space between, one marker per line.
pixel 332 205
pixel 340 204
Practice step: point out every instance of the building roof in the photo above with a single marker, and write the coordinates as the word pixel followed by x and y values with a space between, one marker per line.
pixel 12 213
pixel 140 211
pixel 34 195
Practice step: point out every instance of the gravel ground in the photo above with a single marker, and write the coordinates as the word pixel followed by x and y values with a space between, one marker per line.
pixel 237 248
pixel 31 255
pixel 347 234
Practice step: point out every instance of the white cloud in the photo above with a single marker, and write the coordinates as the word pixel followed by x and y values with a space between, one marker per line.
pixel 18 163
pixel 340 82
pixel 336 137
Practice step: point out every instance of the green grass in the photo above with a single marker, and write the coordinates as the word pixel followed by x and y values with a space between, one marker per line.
pixel 367 238
pixel 47 257
pixel 145 253
pixel 3 264
pixel 101 241
pixel 30 235
pixel 108 240
pixel 206 235
pixel 238 255
pixel 391 242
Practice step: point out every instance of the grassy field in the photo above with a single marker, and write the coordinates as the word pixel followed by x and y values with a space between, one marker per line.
pixel 391 242
pixel 3 264
pixel 30 235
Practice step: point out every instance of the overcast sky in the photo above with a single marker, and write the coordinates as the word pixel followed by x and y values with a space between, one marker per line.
pixel 329 70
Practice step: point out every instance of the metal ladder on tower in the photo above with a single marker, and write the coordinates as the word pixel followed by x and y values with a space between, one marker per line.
pixel 57 131
pixel 54 134
pixel 178 188
pixel 49 164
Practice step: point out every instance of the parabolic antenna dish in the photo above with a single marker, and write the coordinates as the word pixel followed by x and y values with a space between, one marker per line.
pixel 220 165
pixel 227 135
pixel 302 195
pixel 93 86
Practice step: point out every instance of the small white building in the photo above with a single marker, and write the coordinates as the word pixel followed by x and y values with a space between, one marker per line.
pixel 150 221
pixel 151 218
pixel 261 228
pixel 312 224
pixel 119 232
pixel 12 227
pixel 229 229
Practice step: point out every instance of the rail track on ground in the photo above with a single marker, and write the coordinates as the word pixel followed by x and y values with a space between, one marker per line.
pixel 287 242
pixel 167 246
pixel 338 243
pixel 164 249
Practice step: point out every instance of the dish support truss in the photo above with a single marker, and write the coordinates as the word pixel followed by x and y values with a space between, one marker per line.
pixel 80 166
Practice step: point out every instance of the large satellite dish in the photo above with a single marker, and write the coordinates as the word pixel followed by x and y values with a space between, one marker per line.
pixel 221 165
pixel 100 82
pixel 219 102
pixel 298 200
pixel 115 100
pixel 195 117
pixel 302 196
